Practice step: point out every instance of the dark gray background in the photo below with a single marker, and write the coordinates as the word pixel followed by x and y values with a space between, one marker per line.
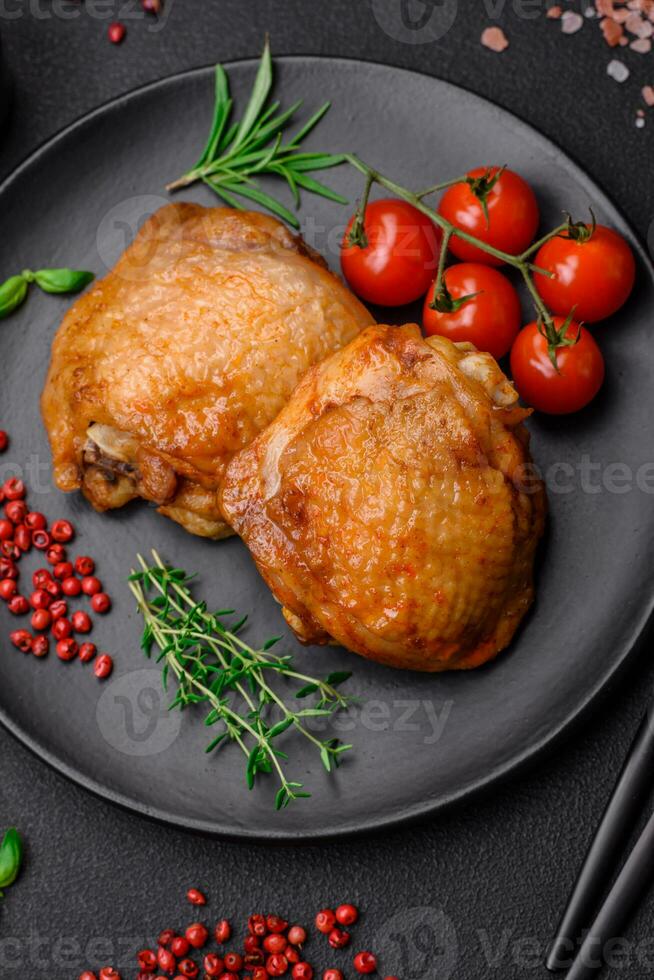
pixel 498 868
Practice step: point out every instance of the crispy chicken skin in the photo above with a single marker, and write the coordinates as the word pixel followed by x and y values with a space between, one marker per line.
pixel 183 353
pixel 391 507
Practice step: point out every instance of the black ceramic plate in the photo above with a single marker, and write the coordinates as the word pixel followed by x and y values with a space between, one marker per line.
pixel 420 741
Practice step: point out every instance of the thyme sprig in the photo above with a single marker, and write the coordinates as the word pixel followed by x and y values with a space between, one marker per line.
pixel 237 153
pixel 211 665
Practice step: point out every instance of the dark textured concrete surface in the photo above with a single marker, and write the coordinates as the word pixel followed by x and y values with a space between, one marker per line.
pixel 475 893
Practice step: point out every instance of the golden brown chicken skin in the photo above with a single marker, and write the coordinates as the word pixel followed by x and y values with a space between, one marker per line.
pixel 183 353
pixel 391 506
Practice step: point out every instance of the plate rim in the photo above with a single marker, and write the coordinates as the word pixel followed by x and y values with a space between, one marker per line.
pixel 411 813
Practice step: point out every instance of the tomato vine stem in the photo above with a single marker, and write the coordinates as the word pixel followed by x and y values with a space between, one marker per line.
pixel 519 262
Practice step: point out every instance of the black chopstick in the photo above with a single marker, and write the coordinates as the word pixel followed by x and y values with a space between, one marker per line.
pixel 632 882
pixel 616 826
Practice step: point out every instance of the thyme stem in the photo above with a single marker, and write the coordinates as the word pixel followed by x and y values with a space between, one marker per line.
pixel 211 664
pixel 519 262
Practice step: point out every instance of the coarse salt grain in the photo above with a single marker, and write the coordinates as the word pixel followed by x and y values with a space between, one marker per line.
pixel 495 39
pixel 554 12
pixel 640 122
pixel 604 7
pixel 642 46
pixel 636 25
pixel 617 70
pixel 612 32
pixel 648 94
pixel 571 22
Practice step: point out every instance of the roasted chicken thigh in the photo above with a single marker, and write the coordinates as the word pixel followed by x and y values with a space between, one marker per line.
pixel 391 506
pixel 183 353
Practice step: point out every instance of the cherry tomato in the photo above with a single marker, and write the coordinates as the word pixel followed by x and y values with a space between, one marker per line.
pixel 400 258
pixel 593 277
pixel 512 215
pixel 490 320
pixel 580 370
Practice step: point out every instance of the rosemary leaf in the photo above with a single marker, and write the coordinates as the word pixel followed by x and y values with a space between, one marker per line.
pixel 266 201
pixel 221 113
pixel 260 92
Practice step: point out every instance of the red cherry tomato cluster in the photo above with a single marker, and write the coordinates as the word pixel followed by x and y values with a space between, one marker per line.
pixel 271 948
pixel 389 258
pixel 20 531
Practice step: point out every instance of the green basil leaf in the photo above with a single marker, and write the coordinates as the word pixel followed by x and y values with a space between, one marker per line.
pixel 11 856
pixel 62 280
pixel 12 293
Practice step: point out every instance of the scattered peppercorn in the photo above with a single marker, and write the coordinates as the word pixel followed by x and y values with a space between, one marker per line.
pixel 116 32
pixel 20 529
pixel 41 619
pixel 71 586
pixel 8 588
pixel 87 652
pixel 275 943
pixel 325 921
pixel 21 639
pixel 103 666
pixel 13 489
pixel 338 938
pixel 297 935
pixel 223 931
pixel 84 566
pixel 347 915
pixel 81 622
pixel 67 649
pixel 40 646
pixel 270 932
pixel 18 606
pixel 365 962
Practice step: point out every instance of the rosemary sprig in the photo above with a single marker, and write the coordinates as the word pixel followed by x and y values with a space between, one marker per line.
pixel 212 665
pixel 237 153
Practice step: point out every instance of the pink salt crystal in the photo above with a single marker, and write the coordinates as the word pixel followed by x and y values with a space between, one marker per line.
pixel 604 7
pixel 571 22
pixel 642 46
pixel 554 12
pixel 648 94
pixel 612 32
pixel 636 25
pixel 617 70
pixel 495 39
